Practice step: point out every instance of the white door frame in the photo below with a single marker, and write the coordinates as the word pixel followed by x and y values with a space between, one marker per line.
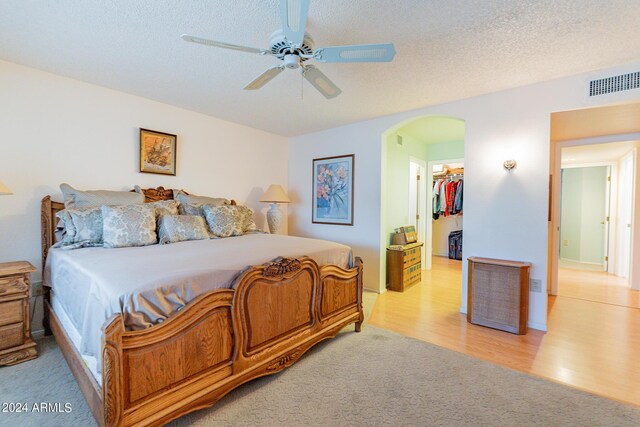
pixel 428 243
pixel 634 271
pixel 624 222
pixel 421 223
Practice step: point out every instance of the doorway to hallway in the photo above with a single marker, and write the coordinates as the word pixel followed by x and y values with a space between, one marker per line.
pixel 596 208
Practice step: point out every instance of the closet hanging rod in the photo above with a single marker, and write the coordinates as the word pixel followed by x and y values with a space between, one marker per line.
pixel 448 175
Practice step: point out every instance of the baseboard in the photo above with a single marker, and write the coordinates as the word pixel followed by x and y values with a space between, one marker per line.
pixel 532 325
pixel 36 335
pixel 595 264
pixel 537 326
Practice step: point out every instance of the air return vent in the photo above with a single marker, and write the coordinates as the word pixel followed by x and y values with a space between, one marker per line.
pixel 614 84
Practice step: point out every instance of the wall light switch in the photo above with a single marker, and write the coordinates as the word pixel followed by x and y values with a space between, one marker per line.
pixel 535 285
pixel 565 242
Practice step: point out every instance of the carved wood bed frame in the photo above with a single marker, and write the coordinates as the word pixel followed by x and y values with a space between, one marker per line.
pixel 219 341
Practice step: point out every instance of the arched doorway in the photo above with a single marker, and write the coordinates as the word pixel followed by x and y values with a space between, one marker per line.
pixel 419 144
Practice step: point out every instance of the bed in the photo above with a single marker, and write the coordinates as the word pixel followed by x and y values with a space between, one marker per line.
pixel 156 358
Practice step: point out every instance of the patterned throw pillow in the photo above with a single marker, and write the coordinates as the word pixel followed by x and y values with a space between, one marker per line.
pixel 191 209
pixel 164 207
pixel 129 225
pixel 180 228
pixel 184 198
pixel 223 221
pixel 65 230
pixel 77 199
pixel 246 215
pixel 87 225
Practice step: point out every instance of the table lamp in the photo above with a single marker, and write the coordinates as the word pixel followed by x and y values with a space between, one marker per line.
pixel 4 190
pixel 275 194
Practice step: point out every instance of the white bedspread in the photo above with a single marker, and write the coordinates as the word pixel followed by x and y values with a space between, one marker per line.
pixel 148 284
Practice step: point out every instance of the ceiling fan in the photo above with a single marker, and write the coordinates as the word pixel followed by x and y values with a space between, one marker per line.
pixel 294 46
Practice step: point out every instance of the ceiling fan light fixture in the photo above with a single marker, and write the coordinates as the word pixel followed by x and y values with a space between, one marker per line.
pixel 291 61
pixel 293 46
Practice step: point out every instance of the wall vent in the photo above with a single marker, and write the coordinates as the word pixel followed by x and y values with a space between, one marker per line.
pixel 614 84
pixel 399 139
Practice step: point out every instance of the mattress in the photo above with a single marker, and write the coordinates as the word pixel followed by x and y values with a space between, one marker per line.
pixel 75 337
pixel 148 284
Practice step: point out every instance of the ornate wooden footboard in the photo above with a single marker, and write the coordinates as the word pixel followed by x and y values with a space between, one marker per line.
pixel 224 338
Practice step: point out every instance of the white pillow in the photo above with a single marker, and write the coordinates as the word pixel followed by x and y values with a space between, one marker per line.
pixel 74 198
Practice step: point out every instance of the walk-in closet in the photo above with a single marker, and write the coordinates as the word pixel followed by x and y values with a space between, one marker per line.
pixel 447 211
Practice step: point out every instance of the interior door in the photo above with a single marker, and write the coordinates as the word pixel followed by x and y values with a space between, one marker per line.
pixel 417 200
pixel 583 218
pixel 414 195
pixel 625 212
pixel 607 219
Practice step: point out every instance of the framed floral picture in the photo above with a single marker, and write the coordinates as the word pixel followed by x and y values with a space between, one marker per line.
pixel 157 152
pixel 333 190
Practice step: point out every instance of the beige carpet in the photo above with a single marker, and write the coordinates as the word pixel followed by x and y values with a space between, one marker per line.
pixel 373 378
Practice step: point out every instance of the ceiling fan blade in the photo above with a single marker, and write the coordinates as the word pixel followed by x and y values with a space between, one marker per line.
pixel 207 42
pixel 294 19
pixel 264 78
pixel 318 80
pixel 357 53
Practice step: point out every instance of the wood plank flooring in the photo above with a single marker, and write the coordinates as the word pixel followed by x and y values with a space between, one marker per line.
pixel 590 345
pixel 596 286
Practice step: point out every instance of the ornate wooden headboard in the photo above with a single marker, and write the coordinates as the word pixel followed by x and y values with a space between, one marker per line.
pixel 160 193
pixel 49 209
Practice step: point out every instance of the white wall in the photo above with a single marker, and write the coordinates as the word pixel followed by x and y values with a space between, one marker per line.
pixel 505 213
pixel 56 129
pixel 441 229
pixel 398 173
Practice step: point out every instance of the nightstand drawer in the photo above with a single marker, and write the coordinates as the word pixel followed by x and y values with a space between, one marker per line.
pixel 11 335
pixel 12 285
pixel 11 312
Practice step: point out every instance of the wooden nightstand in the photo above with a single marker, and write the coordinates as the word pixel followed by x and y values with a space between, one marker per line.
pixel 16 344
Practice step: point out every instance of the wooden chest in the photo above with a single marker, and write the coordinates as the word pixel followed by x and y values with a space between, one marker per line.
pixel 498 294
pixel 16 344
pixel 404 266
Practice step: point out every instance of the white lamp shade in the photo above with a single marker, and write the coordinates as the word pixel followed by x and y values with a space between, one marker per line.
pixel 275 194
pixel 4 190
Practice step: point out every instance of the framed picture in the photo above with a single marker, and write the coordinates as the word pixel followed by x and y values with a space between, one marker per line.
pixel 157 152
pixel 333 190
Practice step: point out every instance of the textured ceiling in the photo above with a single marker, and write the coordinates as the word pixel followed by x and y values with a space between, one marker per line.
pixel 446 50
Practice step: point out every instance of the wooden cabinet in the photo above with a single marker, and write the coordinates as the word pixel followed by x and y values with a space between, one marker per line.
pixel 16 344
pixel 404 266
pixel 498 294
